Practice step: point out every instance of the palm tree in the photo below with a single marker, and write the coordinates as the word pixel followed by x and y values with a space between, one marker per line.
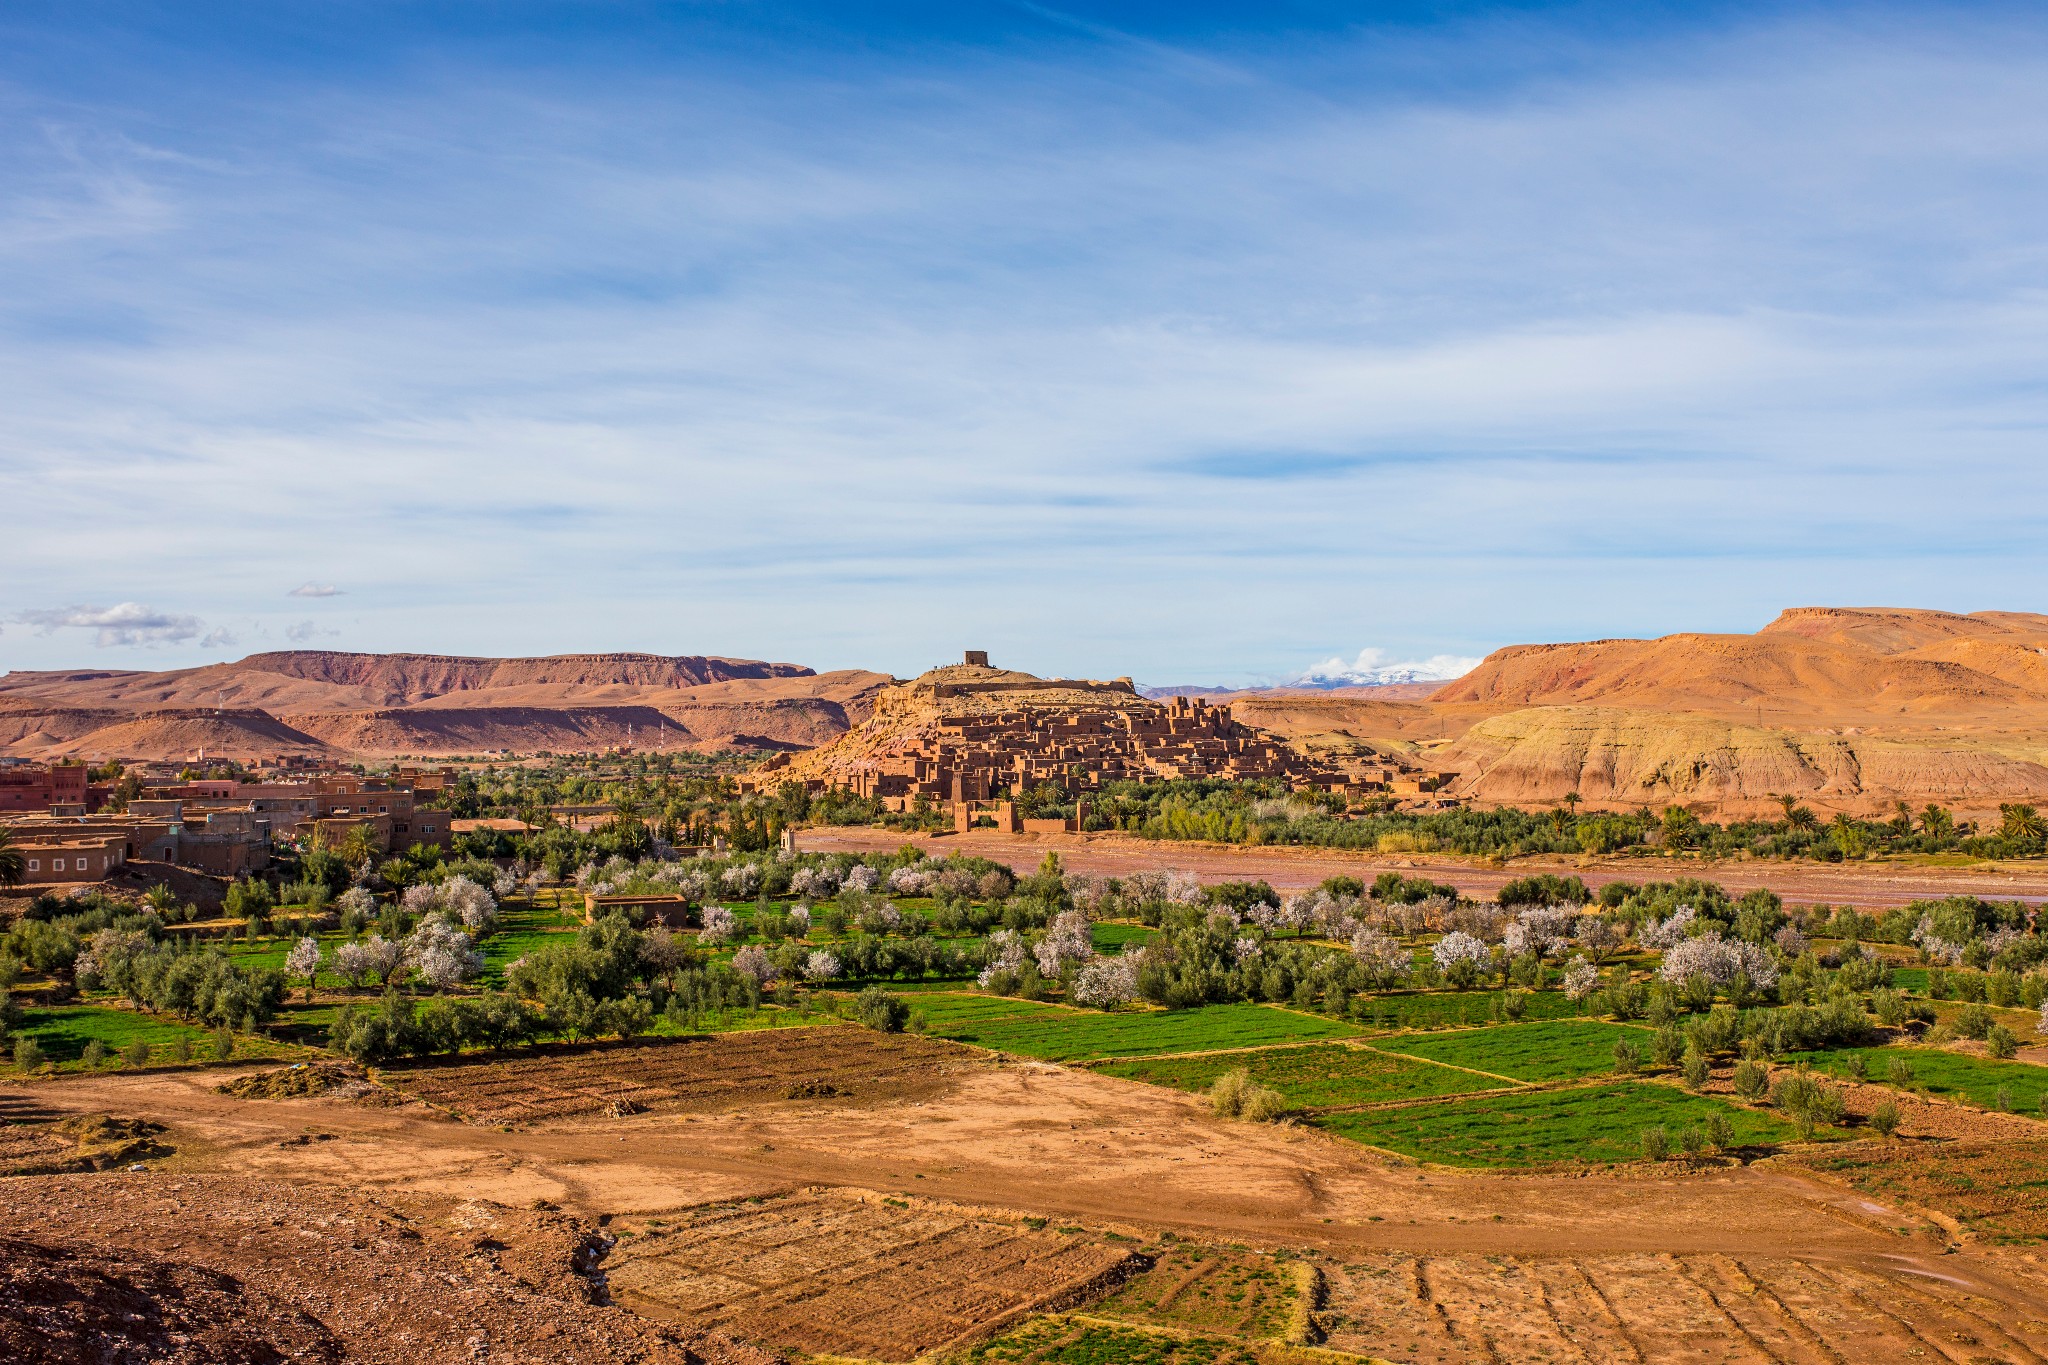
pixel 1936 821
pixel 13 863
pixel 2022 823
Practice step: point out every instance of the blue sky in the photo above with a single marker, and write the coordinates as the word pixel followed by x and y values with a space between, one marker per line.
pixel 1203 343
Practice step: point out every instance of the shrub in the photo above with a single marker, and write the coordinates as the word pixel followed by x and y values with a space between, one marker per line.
pixel 1972 1021
pixel 1628 1059
pixel 1656 1144
pixel 1691 1140
pixel 2003 1100
pixel 223 1045
pixel 2000 1042
pixel 95 1055
pixel 136 1054
pixel 1854 1068
pixel 1697 1072
pixel 1235 1095
pixel 1807 1101
pixel 1720 1133
pixel 1885 1118
pixel 1899 1071
pixel 182 1049
pixel 28 1055
pixel 1752 1079
pixel 880 1010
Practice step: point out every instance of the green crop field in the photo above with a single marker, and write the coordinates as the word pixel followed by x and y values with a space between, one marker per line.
pixel 1109 938
pixel 1952 1075
pixel 1061 1340
pixel 1562 1050
pixel 1535 1127
pixel 62 1031
pixel 1313 1075
pixel 1450 1009
pixel 1059 1034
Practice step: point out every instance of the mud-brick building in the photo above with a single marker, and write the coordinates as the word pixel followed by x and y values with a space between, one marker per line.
pixel 36 787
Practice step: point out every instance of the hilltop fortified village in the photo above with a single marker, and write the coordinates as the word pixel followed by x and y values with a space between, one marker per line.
pixel 969 735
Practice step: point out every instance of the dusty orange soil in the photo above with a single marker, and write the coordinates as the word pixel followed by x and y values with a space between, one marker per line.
pixel 1022 1135
pixel 1867 885
pixel 1032 1139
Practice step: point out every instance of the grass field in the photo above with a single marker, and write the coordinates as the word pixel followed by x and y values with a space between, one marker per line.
pixel 1058 1034
pixel 1061 1340
pixel 1448 1009
pixel 1110 938
pixel 62 1031
pixel 1314 1075
pixel 1561 1050
pixel 1598 1123
pixel 1952 1075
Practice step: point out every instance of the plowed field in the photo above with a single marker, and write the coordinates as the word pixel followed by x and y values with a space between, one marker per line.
pixel 1701 1310
pixel 837 1273
pixel 721 1071
pixel 1996 1190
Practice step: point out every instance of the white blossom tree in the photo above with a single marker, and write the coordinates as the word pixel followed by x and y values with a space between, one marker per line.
pixel 1597 937
pixel 862 878
pixel 383 956
pixel 742 879
pixel 470 904
pixel 1108 982
pixel 1459 946
pixel 719 924
pixel 752 961
pixel 1381 956
pixel 1719 960
pixel 1581 979
pixel 821 966
pixel 1667 933
pixel 442 954
pixel 1066 941
pixel 303 962
pixel 1005 956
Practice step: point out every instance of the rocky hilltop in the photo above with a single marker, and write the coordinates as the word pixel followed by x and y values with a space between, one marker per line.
pixel 1856 707
pixel 980 730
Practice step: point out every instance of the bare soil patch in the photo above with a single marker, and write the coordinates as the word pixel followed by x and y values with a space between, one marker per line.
pixel 1647 1308
pixel 1994 1190
pixel 856 1274
pixel 218 1268
pixel 722 1071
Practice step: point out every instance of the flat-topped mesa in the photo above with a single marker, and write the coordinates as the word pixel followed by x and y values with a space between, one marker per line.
pixel 969 733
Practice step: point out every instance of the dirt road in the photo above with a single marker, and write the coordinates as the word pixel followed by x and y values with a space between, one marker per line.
pixel 1865 885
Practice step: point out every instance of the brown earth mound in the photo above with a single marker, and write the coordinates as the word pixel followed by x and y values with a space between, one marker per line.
pixel 221 1268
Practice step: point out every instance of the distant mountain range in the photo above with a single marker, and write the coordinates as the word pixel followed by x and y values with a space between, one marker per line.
pixel 1846 708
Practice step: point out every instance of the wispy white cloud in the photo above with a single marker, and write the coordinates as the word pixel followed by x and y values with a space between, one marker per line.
pixel 311 589
pixel 125 624
pixel 299 632
pixel 1205 359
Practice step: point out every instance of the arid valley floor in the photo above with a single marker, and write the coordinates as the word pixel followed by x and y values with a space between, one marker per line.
pixel 940 1196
